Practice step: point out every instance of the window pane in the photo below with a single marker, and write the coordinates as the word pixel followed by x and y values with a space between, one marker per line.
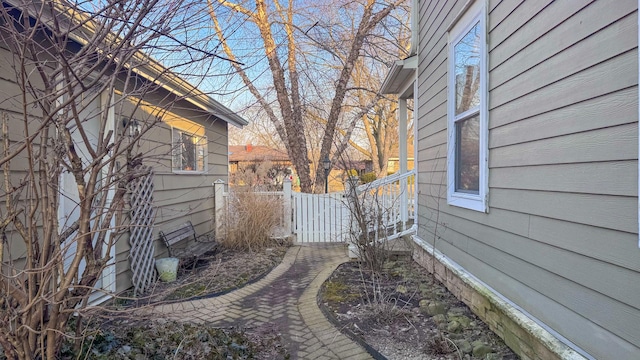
pixel 468 155
pixel 176 149
pixel 467 70
pixel 188 152
pixel 202 151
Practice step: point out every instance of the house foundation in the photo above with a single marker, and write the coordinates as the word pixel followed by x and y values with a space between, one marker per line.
pixel 523 335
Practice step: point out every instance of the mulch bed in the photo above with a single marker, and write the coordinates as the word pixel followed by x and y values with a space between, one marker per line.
pixel 116 331
pixel 160 339
pixel 403 313
pixel 212 275
pixel 118 334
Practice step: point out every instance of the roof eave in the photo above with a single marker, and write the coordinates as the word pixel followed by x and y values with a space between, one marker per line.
pixel 400 77
pixel 156 73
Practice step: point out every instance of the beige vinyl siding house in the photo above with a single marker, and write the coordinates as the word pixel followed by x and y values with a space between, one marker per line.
pixel 181 193
pixel 12 109
pixel 554 234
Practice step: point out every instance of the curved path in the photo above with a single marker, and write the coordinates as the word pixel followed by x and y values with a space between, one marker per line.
pixel 284 299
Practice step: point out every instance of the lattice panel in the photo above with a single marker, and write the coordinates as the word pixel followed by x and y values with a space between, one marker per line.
pixel 142 216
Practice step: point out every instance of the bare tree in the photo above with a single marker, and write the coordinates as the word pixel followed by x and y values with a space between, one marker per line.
pixel 67 70
pixel 381 129
pixel 286 41
pixel 380 124
pixel 258 132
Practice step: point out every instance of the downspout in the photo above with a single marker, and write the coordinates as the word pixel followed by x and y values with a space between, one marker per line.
pixel 402 156
pixel 415 151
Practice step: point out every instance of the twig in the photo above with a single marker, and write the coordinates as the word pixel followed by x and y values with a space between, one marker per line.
pixel 178 348
pixel 417 331
pixel 455 346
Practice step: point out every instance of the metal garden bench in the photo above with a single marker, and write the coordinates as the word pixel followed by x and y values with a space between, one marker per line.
pixel 184 244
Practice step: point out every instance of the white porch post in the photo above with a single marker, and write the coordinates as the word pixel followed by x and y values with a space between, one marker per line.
pixel 401 81
pixel 218 199
pixel 402 134
pixel 402 157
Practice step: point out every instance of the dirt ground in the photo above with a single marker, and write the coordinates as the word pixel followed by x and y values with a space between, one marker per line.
pixel 404 314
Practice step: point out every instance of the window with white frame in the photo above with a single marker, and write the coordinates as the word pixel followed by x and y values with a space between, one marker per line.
pixel 189 151
pixel 467 169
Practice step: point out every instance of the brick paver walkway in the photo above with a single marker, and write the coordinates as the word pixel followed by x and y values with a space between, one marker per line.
pixel 285 299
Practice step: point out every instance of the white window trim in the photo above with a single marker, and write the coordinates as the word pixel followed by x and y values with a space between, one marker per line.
pixel 478 202
pixel 206 155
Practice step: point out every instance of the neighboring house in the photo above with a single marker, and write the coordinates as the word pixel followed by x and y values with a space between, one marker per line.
pixel 258 165
pixel 357 167
pixel 341 170
pixel 393 163
pixel 527 167
pixel 188 152
pixel 262 165
pixel 186 147
pixel 248 155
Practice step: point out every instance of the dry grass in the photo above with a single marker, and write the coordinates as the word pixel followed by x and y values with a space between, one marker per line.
pixel 250 220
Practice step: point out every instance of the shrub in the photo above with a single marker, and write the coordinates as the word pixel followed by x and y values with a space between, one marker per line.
pixel 250 220
pixel 263 175
pixel 368 177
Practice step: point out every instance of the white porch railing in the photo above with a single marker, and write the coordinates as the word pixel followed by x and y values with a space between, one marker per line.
pixel 390 204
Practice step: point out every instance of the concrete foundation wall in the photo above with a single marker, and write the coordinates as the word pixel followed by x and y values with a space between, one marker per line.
pixel 522 334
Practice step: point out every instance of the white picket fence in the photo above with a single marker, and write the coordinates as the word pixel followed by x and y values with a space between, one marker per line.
pixel 224 208
pixel 314 218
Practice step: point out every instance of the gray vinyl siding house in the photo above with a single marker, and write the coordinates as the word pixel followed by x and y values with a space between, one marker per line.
pixel 555 234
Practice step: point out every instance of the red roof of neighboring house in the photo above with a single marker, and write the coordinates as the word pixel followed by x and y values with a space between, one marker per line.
pixel 255 153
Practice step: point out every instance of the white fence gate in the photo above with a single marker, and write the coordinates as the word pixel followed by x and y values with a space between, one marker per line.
pixel 320 217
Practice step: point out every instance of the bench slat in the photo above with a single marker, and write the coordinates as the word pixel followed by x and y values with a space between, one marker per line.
pixel 181 236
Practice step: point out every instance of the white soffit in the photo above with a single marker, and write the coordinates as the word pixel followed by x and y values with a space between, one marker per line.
pixel 400 78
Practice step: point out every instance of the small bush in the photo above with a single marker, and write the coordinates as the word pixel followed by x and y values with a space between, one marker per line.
pixel 250 220
pixel 368 177
pixel 338 292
